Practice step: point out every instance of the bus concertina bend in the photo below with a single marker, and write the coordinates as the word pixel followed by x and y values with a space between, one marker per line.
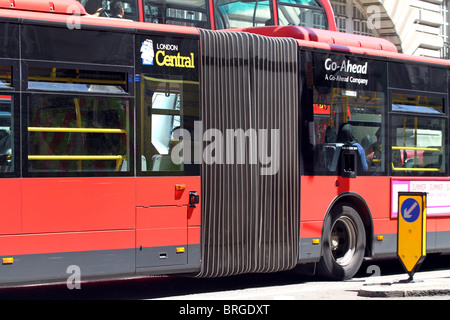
pixel 135 148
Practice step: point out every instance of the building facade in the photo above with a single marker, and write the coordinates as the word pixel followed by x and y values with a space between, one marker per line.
pixel 417 27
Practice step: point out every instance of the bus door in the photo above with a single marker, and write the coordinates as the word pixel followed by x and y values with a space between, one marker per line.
pixel 168 189
pixel 10 207
pixel 11 188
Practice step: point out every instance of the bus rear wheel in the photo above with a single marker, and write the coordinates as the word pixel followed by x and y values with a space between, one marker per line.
pixel 343 244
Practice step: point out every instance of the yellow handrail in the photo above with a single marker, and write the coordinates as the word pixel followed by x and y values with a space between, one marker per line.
pixel 417 149
pixel 417 169
pixel 76 130
pixel 168 81
pixel 71 157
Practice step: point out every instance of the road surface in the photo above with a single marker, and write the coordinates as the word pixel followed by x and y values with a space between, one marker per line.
pixel 263 287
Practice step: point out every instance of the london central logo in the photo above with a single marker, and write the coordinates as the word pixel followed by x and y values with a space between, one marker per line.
pixel 167 55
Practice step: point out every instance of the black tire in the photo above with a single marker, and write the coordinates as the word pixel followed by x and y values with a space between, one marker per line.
pixel 343 243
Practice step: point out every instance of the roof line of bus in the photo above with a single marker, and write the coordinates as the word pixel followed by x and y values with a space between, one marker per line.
pixel 56 6
pixel 305 37
pixel 343 42
pixel 385 55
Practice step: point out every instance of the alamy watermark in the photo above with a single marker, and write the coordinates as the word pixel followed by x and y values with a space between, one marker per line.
pixel 74 279
pixel 230 147
pixel 374 17
pixel 74 20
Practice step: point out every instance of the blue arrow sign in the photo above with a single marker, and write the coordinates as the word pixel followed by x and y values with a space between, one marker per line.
pixel 410 210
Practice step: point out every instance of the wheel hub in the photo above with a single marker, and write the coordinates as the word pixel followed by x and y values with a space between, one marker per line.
pixel 343 240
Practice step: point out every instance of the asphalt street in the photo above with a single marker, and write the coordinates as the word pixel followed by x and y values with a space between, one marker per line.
pixel 435 273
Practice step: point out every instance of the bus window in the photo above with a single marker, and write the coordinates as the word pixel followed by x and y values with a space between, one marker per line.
pixel 5 77
pixel 242 13
pixel 411 103
pixel 6 134
pixel 167 122
pixel 188 13
pixel 362 110
pixel 6 122
pixel 78 134
pixel 112 8
pixel 76 80
pixel 418 141
pixel 164 125
pixel 305 13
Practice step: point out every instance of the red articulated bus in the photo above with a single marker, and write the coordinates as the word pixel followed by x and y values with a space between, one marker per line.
pixel 133 149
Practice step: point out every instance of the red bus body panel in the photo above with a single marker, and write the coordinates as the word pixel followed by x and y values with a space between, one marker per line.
pixel 330 15
pixel 376 193
pixel 331 188
pixel 10 198
pixel 64 242
pixel 45 215
pixel 75 204
pixel 325 36
pixel 163 217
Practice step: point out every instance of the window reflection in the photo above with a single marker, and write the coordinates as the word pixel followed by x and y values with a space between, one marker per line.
pixel 6 134
pixel 418 142
pixel 168 114
pixel 87 81
pixel 189 13
pixel 302 13
pixel 78 134
pixel 242 14
pixel 362 110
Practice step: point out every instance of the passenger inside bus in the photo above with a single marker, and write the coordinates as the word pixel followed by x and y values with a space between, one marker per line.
pixel 347 137
pixel 117 10
pixel 126 9
pixel 373 150
pixel 95 8
pixel 5 150
pixel 334 107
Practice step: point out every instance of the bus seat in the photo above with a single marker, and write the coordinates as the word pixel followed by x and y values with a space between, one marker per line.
pixel 432 159
pixel 332 154
pixel 164 163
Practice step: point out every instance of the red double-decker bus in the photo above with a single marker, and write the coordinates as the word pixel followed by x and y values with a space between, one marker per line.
pixel 209 14
pixel 132 148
